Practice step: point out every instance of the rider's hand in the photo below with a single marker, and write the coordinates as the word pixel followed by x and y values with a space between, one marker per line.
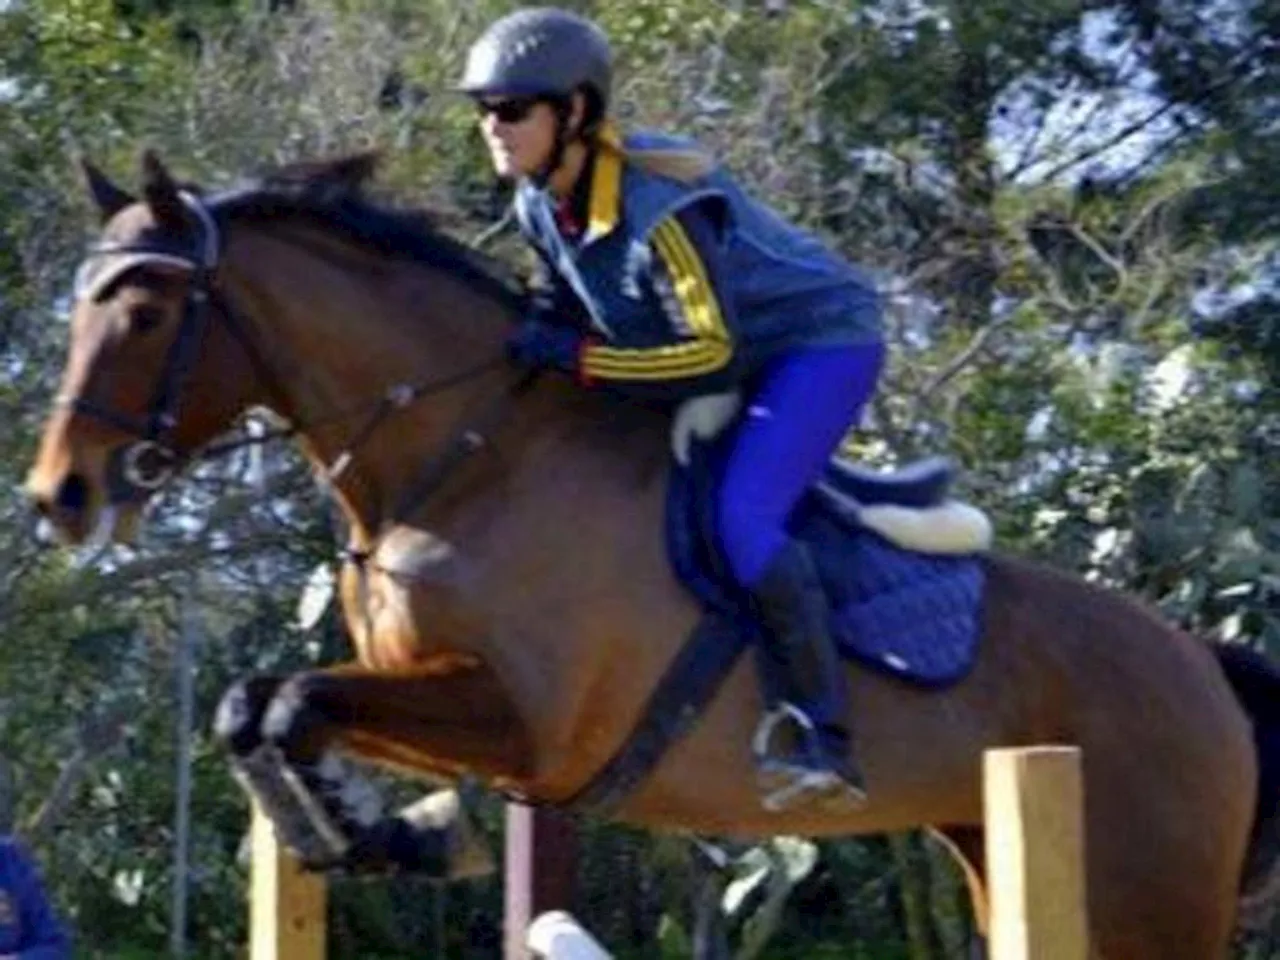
pixel 536 343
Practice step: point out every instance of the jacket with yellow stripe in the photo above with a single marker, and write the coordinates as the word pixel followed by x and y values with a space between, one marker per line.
pixel 690 286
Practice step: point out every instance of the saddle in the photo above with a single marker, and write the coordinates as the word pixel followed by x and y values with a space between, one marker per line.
pixel 901 564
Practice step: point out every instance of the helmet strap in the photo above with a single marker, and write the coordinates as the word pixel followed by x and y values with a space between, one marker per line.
pixel 563 108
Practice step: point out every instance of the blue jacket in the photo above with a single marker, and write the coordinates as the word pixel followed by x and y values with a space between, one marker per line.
pixel 677 305
pixel 28 927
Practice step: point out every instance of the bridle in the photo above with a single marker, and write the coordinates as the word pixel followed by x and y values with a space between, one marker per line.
pixel 154 455
pixel 150 460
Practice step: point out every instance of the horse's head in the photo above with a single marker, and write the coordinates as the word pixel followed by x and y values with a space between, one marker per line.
pixel 156 366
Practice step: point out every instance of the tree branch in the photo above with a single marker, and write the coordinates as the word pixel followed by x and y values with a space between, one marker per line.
pixel 98 736
pixel 1168 107
pixel 957 364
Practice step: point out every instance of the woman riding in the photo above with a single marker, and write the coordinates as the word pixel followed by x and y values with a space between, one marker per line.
pixel 661 277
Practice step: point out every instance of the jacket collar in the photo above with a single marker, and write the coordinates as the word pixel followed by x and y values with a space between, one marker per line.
pixel 603 195
pixel 604 209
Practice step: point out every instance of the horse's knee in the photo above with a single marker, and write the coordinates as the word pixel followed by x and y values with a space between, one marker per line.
pixel 295 720
pixel 237 724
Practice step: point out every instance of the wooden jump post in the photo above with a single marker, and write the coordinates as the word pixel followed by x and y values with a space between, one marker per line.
pixel 1034 813
pixel 287 906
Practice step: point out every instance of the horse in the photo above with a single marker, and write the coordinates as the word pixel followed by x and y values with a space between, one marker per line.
pixel 506 585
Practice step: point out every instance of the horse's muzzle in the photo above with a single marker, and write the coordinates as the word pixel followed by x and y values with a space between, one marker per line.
pixel 66 506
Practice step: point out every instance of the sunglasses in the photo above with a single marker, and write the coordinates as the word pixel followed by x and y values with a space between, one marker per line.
pixel 513 110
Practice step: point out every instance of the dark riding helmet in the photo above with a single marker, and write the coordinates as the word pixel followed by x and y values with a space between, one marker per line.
pixel 541 52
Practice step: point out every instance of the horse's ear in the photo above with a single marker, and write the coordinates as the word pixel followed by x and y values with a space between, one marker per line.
pixel 109 198
pixel 160 191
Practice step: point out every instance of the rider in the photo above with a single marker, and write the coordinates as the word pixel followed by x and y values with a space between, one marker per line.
pixel 662 277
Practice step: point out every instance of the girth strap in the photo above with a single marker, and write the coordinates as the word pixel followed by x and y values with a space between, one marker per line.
pixel 687 687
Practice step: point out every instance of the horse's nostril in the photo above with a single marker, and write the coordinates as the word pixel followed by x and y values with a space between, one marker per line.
pixel 73 494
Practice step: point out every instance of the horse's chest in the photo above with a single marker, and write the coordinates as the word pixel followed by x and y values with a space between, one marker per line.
pixel 406 604
pixel 380 625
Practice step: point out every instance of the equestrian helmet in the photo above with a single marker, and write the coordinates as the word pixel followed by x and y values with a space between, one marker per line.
pixel 537 52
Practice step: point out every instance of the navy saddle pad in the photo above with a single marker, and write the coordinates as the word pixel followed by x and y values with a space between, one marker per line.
pixel 912 615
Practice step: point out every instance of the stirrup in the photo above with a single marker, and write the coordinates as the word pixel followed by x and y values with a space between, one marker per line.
pixel 767 728
pixel 783 779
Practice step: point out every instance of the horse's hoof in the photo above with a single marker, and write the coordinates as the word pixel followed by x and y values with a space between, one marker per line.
pixel 468 854
pixel 238 721
pixel 299 823
pixel 394 846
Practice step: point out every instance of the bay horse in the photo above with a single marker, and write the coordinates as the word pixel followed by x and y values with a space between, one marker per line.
pixel 506 585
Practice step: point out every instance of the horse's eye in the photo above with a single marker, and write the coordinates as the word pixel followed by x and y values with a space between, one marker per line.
pixel 145 319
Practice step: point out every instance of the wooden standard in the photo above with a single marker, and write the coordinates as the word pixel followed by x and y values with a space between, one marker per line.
pixel 287 906
pixel 1035 853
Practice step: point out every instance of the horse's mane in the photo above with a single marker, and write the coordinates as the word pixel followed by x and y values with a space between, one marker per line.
pixel 331 194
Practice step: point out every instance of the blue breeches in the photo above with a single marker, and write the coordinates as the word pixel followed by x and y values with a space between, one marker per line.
pixel 806 402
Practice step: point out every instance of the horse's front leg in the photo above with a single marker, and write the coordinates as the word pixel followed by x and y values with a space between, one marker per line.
pixel 445 716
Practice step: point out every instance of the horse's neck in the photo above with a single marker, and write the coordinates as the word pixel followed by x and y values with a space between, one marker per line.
pixel 559 519
pixel 339 327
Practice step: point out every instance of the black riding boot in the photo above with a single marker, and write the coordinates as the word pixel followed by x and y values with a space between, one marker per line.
pixel 802 745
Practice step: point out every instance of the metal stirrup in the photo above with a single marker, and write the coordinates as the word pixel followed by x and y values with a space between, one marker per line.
pixel 762 740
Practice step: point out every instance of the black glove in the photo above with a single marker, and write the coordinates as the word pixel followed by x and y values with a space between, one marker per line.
pixel 536 343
